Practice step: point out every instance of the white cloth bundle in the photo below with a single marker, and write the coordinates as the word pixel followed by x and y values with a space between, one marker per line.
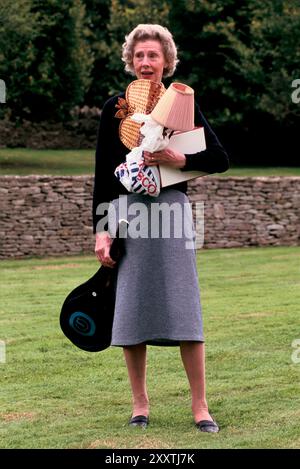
pixel 135 175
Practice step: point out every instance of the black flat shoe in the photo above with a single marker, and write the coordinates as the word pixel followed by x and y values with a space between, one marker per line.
pixel 139 421
pixel 208 426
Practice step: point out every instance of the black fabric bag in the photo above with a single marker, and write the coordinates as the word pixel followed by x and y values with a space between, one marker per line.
pixel 87 313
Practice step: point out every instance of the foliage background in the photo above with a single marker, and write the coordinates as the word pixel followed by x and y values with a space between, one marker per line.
pixel 240 57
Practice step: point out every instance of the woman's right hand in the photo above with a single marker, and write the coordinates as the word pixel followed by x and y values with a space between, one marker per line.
pixel 102 248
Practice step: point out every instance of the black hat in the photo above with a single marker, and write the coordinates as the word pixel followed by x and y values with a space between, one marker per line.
pixel 87 313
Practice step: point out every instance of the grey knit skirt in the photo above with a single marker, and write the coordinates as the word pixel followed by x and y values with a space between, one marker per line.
pixel 157 290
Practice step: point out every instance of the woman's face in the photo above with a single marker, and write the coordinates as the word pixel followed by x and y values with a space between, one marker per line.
pixel 148 60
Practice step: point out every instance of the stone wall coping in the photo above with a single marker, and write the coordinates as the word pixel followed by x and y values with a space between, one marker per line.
pixel 195 181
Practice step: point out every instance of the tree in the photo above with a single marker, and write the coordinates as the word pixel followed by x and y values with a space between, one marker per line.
pixel 46 57
pixel 241 59
pixel 60 73
pixel 202 55
pixel 269 60
pixel 97 18
pixel 18 30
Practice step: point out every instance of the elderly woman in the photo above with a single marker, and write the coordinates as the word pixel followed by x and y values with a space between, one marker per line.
pixel 157 292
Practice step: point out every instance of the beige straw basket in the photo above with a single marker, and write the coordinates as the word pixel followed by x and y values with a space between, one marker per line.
pixel 141 96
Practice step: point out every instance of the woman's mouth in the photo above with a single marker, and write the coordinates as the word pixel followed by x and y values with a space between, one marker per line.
pixel 146 74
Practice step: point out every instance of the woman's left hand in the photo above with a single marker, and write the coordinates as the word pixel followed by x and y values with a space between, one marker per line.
pixel 167 156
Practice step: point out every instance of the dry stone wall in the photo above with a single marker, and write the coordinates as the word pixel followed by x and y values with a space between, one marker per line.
pixel 50 215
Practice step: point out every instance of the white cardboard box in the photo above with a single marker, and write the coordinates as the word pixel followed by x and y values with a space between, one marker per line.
pixel 188 143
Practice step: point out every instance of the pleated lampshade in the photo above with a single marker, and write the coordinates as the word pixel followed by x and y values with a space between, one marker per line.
pixel 175 109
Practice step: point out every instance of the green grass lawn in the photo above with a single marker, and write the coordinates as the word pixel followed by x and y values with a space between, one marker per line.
pixel 54 395
pixel 23 161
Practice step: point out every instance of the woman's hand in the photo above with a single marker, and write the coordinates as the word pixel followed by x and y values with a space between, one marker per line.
pixel 167 156
pixel 102 248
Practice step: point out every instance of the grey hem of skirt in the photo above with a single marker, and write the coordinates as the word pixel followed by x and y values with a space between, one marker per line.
pixel 160 341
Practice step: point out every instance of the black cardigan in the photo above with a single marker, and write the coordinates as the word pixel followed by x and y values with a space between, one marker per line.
pixel 110 152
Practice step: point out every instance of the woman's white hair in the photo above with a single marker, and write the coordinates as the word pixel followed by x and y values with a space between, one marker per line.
pixel 152 32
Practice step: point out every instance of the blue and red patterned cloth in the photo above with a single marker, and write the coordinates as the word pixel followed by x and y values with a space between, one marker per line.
pixel 134 174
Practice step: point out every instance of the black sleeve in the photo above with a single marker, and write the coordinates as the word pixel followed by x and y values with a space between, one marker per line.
pixel 103 191
pixel 212 160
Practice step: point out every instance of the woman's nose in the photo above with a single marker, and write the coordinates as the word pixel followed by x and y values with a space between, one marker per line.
pixel 145 60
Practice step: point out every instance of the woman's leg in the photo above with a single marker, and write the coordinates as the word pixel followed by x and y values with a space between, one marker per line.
pixel 193 357
pixel 135 357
